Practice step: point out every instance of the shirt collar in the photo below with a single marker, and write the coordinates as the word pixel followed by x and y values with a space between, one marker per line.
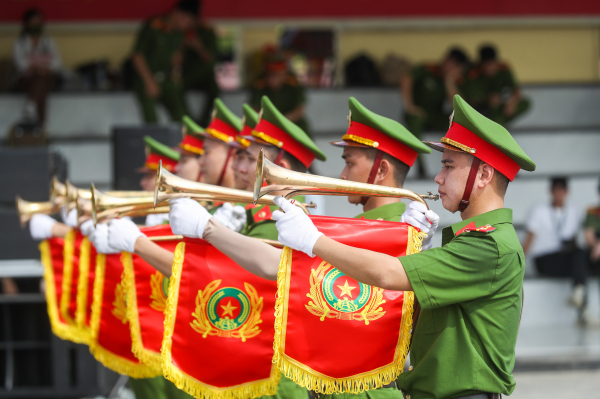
pixel 497 216
pixel 383 212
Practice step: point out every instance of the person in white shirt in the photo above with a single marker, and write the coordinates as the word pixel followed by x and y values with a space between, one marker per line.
pixel 38 63
pixel 552 230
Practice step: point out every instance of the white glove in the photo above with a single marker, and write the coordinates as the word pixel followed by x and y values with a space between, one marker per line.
pixel 155 219
pixel 417 215
pixel 296 230
pixel 69 219
pixel 87 227
pixel 99 238
pixel 188 218
pixel 40 226
pixel 232 217
pixel 122 235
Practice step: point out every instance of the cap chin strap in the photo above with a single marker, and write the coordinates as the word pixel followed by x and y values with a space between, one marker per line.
pixel 373 174
pixel 464 203
pixel 280 155
pixel 229 153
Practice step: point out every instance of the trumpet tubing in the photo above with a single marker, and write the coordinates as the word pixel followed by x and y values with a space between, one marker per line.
pixel 106 205
pixel 296 183
pixel 27 209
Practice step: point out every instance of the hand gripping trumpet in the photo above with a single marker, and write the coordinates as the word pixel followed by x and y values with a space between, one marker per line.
pixel 170 186
pixel 296 183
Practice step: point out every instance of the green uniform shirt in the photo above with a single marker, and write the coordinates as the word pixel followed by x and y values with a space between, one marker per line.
pixel 391 213
pixel 480 87
pixel 592 220
pixel 158 45
pixel 195 68
pixel 287 98
pixel 470 291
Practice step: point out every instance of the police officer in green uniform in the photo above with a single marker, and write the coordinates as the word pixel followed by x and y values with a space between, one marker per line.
pixel 288 146
pixel 283 89
pixel 199 57
pixel 592 235
pixel 157 60
pixel 492 89
pixel 427 93
pixel 470 289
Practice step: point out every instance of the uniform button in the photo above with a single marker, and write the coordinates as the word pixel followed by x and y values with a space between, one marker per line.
pixel 410 368
pixel 407 396
pixel 262 214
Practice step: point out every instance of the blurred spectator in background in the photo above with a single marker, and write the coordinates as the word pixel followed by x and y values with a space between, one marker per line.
pixel 552 230
pixel 38 63
pixel 199 59
pixel 283 89
pixel 158 58
pixel 427 92
pixel 592 236
pixel 492 90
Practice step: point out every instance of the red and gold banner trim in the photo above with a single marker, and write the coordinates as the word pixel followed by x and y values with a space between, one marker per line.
pixel 150 358
pixel 83 289
pixel 321 383
pixel 109 359
pixel 184 381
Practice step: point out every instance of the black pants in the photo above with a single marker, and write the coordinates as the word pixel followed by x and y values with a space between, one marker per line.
pixel 571 263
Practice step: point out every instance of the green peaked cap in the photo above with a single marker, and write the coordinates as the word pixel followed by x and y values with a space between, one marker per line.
pixel 250 117
pixel 389 127
pixel 191 127
pixel 223 113
pixel 159 148
pixel 272 115
pixel 491 132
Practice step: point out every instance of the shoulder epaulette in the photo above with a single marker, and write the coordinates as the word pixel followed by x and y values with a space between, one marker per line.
pixel 473 73
pixel 261 214
pixel 471 228
pixel 157 23
pixel 433 68
pixel 504 66
pixel 291 80
pixel 594 211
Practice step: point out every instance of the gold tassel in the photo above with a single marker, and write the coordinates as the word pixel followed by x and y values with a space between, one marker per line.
pixel 183 381
pixel 82 288
pixel 148 357
pixel 303 375
pixel 107 358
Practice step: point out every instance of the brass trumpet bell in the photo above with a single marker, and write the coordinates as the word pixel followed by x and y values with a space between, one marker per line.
pixel 296 183
pixel 58 191
pixel 107 205
pixel 27 209
pixel 170 186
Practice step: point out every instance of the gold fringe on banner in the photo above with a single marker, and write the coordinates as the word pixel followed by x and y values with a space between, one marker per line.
pixel 83 289
pixel 108 359
pixel 65 297
pixel 59 328
pixel 320 383
pixel 151 359
pixel 187 383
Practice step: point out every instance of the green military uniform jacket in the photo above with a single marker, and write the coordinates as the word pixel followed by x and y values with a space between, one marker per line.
pixel 471 292
pixel 480 87
pixel 261 225
pixel 391 213
pixel 592 220
pixel 287 98
pixel 158 45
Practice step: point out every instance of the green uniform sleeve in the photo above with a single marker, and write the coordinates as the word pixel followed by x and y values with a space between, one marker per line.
pixel 143 42
pixel 507 79
pixel 462 270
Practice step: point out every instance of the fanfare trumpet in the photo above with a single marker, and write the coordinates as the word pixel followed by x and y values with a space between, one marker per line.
pixel 170 186
pixel 27 209
pixel 296 183
pixel 106 205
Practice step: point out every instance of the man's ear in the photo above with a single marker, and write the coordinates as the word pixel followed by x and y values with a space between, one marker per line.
pixel 385 168
pixel 486 174
pixel 285 164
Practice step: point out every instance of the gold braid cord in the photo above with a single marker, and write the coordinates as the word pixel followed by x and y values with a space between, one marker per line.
pixel 248 330
pixel 109 359
pixel 306 377
pixel 319 307
pixel 183 381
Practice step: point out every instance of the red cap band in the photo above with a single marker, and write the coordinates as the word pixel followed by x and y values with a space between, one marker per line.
pixel 192 144
pixel 246 131
pixel 153 159
pixel 221 130
pixel 381 141
pixel 281 139
pixel 484 150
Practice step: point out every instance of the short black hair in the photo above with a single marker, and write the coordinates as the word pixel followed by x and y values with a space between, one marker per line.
pixel 559 182
pixel 295 164
pixel 487 53
pixel 189 6
pixel 501 183
pixel 30 13
pixel 458 55
pixel 400 168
